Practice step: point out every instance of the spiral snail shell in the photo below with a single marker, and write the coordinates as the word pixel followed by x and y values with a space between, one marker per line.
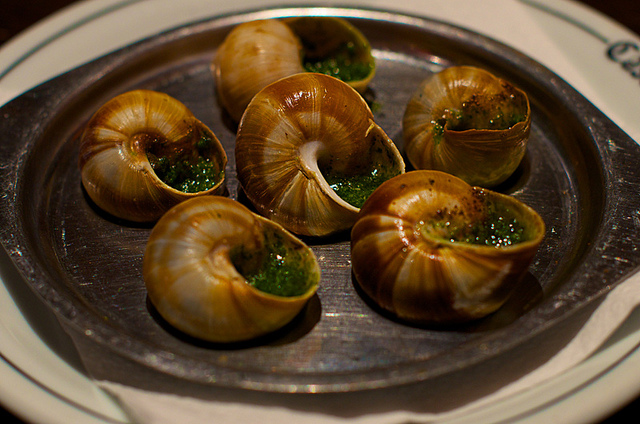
pixel 308 153
pixel 469 123
pixel 211 267
pixel 257 53
pixel 135 138
pixel 429 248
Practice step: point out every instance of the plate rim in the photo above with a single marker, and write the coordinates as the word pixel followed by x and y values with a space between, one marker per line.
pixel 581 6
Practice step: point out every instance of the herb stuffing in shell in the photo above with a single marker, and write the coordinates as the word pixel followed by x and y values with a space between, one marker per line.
pixel 308 153
pixel 257 53
pixel 430 248
pixel 219 272
pixel 143 152
pixel 469 123
pixel 189 168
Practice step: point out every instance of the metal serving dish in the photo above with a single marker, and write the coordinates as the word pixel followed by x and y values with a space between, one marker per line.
pixel 580 174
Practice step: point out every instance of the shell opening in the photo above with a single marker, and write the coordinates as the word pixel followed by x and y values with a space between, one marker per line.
pixel 469 123
pixel 355 189
pixel 315 163
pixel 188 165
pixel 486 223
pixel 332 46
pixel 356 183
pixel 353 185
pixel 279 267
pixel 498 111
pixel 342 64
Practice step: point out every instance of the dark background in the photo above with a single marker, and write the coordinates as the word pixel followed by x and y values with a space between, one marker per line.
pixel 18 15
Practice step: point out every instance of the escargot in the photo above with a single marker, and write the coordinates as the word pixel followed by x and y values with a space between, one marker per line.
pixel 257 53
pixel 143 151
pixel 221 273
pixel 431 249
pixel 467 122
pixel 308 153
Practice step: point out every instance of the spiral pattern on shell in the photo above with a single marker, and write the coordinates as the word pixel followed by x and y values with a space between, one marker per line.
pixel 469 123
pixel 253 55
pixel 192 266
pixel 430 248
pixel 298 132
pixel 114 154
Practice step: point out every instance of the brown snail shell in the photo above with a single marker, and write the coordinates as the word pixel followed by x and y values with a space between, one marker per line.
pixel 115 147
pixel 469 123
pixel 196 264
pixel 422 247
pixel 256 53
pixel 296 134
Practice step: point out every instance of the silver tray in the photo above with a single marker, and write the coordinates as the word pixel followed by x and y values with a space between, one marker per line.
pixel 580 174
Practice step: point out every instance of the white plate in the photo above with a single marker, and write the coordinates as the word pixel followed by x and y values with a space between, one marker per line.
pixel 40 374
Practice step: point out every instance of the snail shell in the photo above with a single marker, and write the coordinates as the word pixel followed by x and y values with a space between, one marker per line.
pixel 198 261
pixel 297 134
pixel 257 53
pixel 116 145
pixel 469 123
pixel 423 249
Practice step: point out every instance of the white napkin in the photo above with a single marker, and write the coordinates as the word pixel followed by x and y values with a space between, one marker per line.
pixel 503 20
